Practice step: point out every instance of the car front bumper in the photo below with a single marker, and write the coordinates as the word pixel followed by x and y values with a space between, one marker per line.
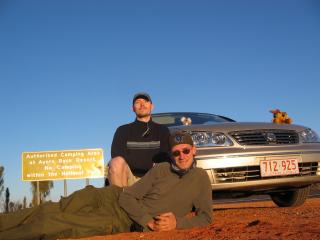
pixel 239 168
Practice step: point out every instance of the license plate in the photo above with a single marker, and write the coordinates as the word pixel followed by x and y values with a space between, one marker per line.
pixel 279 167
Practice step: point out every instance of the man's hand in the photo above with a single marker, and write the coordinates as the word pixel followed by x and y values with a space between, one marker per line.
pixel 151 225
pixel 163 222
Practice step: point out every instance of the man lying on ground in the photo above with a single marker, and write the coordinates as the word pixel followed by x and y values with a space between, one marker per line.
pixel 160 201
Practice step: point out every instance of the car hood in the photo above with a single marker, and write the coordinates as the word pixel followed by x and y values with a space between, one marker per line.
pixel 239 126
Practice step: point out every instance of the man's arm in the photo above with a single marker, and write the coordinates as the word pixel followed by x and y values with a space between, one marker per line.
pixel 130 199
pixel 202 204
pixel 118 147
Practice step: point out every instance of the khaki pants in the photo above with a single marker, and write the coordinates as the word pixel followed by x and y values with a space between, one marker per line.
pixel 131 178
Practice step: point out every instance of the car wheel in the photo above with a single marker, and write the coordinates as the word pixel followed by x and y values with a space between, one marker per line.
pixel 291 198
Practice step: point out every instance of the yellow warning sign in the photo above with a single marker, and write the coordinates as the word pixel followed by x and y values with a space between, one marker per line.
pixel 67 164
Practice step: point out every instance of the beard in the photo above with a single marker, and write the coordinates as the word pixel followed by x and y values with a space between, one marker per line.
pixel 143 114
pixel 142 111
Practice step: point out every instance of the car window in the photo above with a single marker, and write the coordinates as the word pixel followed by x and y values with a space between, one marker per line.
pixel 176 119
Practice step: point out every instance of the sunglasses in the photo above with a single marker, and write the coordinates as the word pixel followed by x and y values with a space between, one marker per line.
pixel 185 151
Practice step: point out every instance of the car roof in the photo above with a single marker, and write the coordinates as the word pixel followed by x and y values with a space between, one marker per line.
pixel 193 113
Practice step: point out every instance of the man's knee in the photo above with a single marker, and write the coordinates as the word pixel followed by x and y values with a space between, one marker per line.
pixel 118 172
pixel 116 165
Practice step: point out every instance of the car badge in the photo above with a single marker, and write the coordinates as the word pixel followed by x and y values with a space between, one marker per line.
pixel 270 137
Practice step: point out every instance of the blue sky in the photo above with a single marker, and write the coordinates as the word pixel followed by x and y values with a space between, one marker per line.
pixel 69 69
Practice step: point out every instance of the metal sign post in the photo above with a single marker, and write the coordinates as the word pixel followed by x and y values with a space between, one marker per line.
pixel 38 193
pixel 87 181
pixel 65 187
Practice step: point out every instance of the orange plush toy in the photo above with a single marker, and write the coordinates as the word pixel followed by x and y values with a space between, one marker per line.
pixel 280 117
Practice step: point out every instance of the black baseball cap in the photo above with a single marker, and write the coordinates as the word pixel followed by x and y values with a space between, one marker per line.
pixel 142 95
pixel 180 138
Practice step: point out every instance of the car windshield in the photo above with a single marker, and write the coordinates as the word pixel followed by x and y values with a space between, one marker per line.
pixel 185 118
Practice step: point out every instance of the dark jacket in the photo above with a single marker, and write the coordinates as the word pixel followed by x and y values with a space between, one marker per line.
pixel 139 146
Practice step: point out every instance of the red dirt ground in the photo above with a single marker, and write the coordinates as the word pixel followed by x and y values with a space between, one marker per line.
pixel 258 220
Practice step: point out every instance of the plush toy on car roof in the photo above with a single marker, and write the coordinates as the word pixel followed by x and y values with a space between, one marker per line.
pixel 186 121
pixel 280 117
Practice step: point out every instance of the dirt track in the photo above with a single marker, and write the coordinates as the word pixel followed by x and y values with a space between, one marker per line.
pixel 259 220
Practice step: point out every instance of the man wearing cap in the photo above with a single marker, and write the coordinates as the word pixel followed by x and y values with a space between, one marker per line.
pixel 159 201
pixel 138 145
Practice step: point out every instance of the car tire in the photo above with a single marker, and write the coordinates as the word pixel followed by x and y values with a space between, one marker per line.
pixel 292 198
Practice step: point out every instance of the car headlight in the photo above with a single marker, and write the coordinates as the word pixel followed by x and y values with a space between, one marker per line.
pixel 210 139
pixel 309 136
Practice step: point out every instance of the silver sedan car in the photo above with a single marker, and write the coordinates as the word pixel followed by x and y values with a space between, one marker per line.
pixel 242 158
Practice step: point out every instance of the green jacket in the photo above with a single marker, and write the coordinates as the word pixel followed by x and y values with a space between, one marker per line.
pixel 162 190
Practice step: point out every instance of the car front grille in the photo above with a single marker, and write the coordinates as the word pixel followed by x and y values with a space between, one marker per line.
pixel 265 137
pixel 251 173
